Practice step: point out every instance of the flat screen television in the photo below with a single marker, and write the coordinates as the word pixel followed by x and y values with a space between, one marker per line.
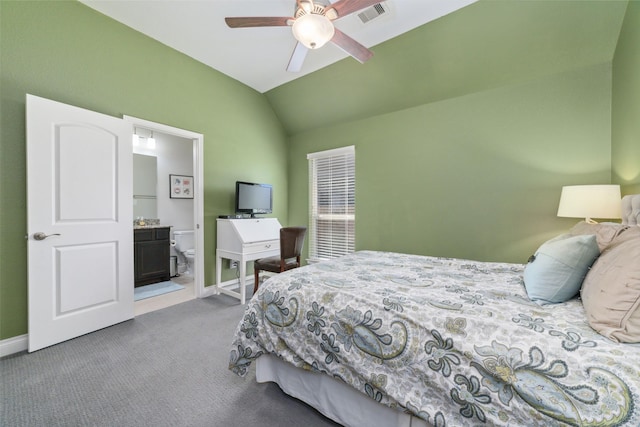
pixel 253 198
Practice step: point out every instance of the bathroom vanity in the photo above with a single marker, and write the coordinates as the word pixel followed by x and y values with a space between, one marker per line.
pixel 151 245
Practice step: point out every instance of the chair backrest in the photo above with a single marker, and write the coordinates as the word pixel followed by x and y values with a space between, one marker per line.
pixel 291 241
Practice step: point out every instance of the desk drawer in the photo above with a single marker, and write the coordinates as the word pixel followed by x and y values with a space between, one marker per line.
pixel 270 245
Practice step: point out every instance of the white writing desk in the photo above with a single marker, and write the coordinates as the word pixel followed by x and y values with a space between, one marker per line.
pixel 245 240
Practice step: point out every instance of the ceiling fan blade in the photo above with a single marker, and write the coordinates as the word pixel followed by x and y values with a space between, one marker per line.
pixel 297 58
pixel 351 46
pixel 258 21
pixel 345 7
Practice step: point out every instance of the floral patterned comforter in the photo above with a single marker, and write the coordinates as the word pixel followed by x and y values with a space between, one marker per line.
pixel 454 342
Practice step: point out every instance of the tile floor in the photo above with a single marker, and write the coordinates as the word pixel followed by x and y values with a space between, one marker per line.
pixel 166 300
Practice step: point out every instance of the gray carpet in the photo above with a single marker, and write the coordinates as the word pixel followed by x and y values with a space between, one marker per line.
pixel 165 368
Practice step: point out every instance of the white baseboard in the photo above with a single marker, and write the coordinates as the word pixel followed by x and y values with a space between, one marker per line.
pixel 209 291
pixel 14 345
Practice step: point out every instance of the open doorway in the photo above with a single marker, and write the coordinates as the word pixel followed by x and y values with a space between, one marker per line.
pixel 176 153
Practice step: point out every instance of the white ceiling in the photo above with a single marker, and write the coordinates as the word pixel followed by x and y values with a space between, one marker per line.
pixel 258 57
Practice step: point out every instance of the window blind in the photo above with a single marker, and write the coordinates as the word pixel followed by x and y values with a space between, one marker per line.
pixel 332 205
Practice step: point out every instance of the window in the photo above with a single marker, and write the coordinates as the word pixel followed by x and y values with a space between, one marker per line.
pixel 332 203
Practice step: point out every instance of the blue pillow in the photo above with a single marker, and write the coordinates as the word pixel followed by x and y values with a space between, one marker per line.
pixel 555 272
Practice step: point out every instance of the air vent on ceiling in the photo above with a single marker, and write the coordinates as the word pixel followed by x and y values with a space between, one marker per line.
pixel 372 13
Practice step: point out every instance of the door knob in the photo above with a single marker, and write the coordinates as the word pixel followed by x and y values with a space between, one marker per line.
pixel 41 236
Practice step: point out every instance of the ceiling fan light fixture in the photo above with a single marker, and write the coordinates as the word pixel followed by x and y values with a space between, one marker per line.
pixel 313 30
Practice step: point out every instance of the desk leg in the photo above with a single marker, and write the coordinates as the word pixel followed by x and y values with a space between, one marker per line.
pixel 218 273
pixel 243 274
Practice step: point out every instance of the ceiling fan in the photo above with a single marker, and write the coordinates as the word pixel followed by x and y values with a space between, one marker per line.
pixel 312 26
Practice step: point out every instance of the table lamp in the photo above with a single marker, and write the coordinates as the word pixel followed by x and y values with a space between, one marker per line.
pixel 590 201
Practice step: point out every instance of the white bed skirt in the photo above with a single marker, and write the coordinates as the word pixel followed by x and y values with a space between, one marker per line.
pixel 331 397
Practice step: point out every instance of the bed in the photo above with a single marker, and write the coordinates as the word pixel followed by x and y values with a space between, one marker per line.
pixel 390 339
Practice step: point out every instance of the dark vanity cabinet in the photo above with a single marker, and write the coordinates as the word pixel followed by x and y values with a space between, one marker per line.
pixel 151 255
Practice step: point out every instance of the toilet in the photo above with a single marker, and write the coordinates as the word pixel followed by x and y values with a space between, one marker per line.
pixel 185 246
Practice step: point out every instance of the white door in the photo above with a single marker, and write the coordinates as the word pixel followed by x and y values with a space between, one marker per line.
pixel 80 234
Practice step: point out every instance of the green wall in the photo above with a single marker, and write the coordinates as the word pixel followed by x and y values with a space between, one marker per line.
pixel 477 176
pixel 70 53
pixel 466 128
pixel 488 44
pixel 625 143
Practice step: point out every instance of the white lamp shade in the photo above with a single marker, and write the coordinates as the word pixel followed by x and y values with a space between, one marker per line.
pixel 590 201
pixel 313 30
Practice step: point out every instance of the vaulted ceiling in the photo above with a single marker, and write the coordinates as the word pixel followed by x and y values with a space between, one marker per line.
pixel 258 57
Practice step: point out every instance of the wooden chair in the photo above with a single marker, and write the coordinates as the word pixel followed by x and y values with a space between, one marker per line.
pixel 291 241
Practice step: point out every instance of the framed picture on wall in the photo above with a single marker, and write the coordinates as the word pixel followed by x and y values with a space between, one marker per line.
pixel 180 187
